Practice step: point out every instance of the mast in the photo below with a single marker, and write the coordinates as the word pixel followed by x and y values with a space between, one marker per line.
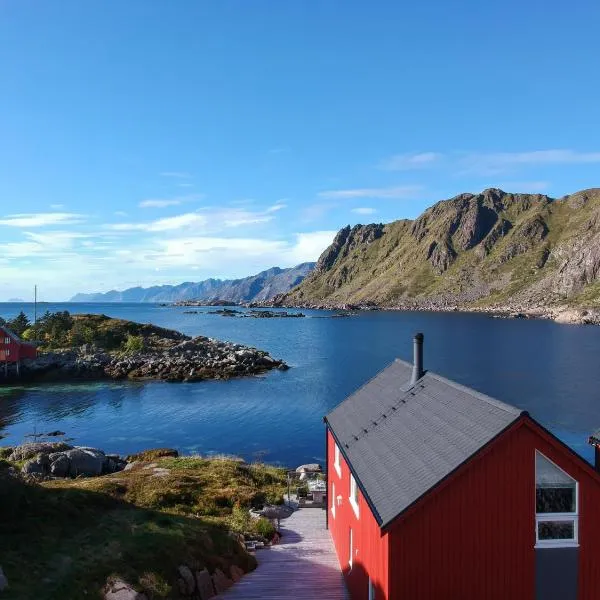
pixel 34 305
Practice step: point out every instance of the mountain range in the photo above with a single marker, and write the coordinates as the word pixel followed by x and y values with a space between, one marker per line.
pixel 473 251
pixel 257 288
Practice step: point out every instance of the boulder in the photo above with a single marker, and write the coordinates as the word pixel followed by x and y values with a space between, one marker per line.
pixel 205 585
pixel 85 461
pixel 236 573
pixel 310 468
pixel 60 465
pixel 37 466
pixel 27 451
pixel 119 590
pixel 3 581
pixel 221 582
pixel 189 582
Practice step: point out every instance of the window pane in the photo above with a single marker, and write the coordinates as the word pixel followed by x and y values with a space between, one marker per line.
pixel 556 530
pixel 555 490
pixel 554 500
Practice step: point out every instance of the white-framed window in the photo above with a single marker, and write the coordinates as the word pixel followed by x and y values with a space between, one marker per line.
pixel 556 505
pixel 333 499
pixel 7 341
pixel 351 553
pixel 336 460
pixel 8 352
pixel 354 495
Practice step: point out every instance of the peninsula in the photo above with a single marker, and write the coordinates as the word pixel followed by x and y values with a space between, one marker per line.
pixel 84 346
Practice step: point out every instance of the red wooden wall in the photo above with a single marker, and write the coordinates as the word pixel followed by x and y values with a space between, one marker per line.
pixel 370 558
pixel 14 350
pixel 473 537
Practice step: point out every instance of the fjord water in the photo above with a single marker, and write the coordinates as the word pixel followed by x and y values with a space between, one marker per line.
pixel 551 370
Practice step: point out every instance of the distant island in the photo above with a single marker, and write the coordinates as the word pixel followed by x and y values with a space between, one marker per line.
pixel 83 346
pixel 257 288
pixel 511 254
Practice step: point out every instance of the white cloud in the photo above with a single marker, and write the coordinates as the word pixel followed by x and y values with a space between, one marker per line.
pixel 407 162
pixel 494 163
pixel 276 207
pixel 159 203
pixel 403 191
pixel 364 210
pixel 120 213
pixel 166 224
pixel 57 206
pixel 309 246
pixel 41 219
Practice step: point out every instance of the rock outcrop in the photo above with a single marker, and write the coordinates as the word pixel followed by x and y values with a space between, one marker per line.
pixel 58 459
pixel 168 360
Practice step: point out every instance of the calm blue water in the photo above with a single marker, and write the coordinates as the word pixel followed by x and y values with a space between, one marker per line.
pixel 551 370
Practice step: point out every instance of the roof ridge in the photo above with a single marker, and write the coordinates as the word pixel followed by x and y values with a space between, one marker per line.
pixel 473 392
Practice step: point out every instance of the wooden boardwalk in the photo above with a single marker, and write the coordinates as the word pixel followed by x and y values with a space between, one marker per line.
pixel 303 566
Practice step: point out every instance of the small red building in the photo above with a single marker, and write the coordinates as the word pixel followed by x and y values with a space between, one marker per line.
pixel 438 492
pixel 13 348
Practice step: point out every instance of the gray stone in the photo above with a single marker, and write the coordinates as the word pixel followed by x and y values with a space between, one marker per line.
pixel 310 468
pixel 27 451
pixel 188 578
pixel 119 590
pixel 205 586
pixel 59 467
pixel 221 582
pixel 3 581
pixel 236 573
pixel 37 466
pixel 85 461
pixel 131 465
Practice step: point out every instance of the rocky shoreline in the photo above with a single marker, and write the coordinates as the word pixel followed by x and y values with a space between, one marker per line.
pixel 190 360
pixel 559 314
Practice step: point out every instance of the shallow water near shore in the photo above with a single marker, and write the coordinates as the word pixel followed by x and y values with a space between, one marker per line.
pixel 551 370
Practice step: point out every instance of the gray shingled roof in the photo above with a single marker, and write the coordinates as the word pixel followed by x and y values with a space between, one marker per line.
pixel 401 441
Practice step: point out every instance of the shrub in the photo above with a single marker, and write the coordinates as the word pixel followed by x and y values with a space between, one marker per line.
pixel 265 528
pixel 133 344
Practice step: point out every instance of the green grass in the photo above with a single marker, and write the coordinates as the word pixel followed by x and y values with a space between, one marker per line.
pixel 62 539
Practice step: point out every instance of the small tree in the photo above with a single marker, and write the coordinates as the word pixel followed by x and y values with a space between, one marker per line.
pixel 133 344
pixel 19 324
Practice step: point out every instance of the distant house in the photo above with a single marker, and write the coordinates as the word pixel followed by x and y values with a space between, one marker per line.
pixel 13 349
pixel 438 492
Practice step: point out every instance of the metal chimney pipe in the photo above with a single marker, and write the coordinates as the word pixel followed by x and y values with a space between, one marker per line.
pixel 417 371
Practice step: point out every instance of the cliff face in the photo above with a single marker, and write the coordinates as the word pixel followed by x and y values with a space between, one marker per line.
pixel 260 287
pixel 492 248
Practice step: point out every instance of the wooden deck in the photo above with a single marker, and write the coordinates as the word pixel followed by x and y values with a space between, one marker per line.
pixel 303 566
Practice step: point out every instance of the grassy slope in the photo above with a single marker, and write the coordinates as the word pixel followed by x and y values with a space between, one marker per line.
pixel 395 267
pixel 63 538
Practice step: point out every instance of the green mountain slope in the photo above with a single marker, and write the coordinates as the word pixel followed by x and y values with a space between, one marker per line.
pixel 472 251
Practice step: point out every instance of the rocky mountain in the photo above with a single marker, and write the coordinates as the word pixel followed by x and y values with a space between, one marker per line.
pixel 475 251
pixel 257 288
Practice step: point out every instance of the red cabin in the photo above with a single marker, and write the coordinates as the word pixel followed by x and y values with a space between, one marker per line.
pixel 438 492
pixel 13 349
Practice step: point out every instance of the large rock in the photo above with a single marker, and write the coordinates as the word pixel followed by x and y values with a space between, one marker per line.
pixel 59 465
pixel 85 461
pixel 37 466
pixel 236 573
pixel 189 582
pixel 119 590
pixel 310 468
pixel 221 582
pixel 27 451
pixel 3 581
pixel 205 586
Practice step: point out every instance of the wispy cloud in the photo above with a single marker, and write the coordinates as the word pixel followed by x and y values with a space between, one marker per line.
pixel 276 207
pixel 158 203
pixel 41 219
pixel 403 191
pixel 176 174
pixel 407 162
pixel 364 210
pixel 495 163
pixel 57 206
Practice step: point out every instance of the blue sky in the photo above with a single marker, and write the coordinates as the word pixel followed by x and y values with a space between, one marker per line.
pixel 146 142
